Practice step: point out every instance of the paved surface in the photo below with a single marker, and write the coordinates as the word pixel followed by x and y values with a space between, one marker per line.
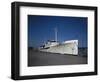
pixel 36 58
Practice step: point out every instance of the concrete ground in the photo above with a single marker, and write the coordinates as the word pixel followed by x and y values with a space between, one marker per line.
pixel 36 58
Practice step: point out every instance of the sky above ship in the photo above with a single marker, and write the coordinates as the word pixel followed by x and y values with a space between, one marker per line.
pixel 42 28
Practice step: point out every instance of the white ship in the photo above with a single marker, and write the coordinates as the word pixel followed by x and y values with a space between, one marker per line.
pixel 66 47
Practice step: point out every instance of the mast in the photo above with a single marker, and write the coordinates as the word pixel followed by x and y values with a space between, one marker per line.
pixel 56 34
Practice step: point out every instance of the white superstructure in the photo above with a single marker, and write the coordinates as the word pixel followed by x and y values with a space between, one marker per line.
pixel 66 47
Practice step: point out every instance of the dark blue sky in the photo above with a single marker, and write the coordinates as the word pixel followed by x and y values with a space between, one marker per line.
pixel 41 29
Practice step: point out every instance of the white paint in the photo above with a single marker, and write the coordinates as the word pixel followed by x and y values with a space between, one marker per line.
pixel 68 47
pixel 25 70
pixel 5 41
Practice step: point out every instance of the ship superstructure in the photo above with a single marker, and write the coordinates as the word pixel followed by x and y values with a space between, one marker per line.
pixel 66 47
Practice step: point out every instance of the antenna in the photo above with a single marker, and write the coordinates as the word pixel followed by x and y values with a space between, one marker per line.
pixel 56 34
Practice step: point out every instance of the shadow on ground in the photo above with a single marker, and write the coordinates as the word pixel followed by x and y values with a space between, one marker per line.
pixel 37 58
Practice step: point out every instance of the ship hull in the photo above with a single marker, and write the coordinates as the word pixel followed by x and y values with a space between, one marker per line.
pixel 65 48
